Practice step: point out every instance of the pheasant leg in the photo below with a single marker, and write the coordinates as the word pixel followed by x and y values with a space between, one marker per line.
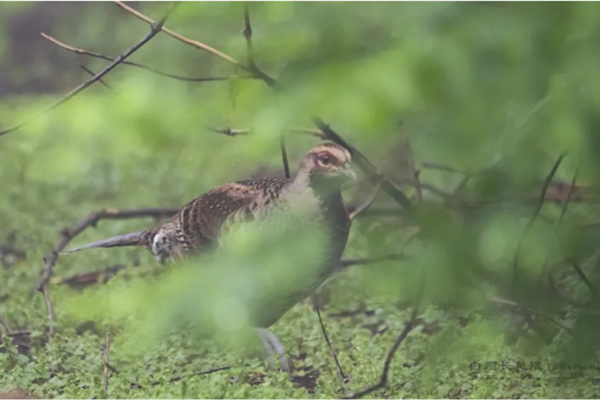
pixel 272 346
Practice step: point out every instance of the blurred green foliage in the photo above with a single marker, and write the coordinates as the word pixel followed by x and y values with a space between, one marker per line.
pixel 497 90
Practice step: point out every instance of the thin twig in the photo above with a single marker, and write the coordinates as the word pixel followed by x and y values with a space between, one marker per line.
pixel 309 131
pixel 563 211
pixel 248 35
pixel 130 63
pixel 83 67
pixel 50 310
pixel 341 374
pixel 410 325
pixel 515 270
pixel 106 360
pixel 194 43
pixel 236 132
pixel 284 158
pixel 442 167
pixel 251 64
pixel 565 204
pixel 365 261
pixel 154 29
pixel 229 132
pixel 536 212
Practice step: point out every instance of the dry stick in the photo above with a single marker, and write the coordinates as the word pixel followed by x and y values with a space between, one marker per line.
pixel 83 67
pixel 194 43
pixel 515 279
pixel 284 158
pixel 536 212
pixel 341 374
pixel 106 360
pixel 410 325
pixel 154 29
pixel 442 167
pixel 228 131
pixel 565 205
pixel 236 132
pixel 250 63
pixel 365 261
pixel 66 235
pixel 130 63
pixel 563 211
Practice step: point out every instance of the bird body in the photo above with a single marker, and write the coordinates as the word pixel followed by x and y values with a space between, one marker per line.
pixel 311 200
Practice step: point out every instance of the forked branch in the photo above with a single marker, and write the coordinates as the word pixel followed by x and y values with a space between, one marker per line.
pixel 130 63
pixel 154 29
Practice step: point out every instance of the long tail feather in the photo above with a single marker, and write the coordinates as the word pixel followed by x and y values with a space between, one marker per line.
pixel 129 239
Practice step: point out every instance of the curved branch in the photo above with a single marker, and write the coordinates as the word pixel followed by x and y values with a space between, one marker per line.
pixel 130 63
pixel 154 29
pixel 175 35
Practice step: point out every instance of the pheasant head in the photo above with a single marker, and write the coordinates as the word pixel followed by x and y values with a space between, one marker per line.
pixel 327 167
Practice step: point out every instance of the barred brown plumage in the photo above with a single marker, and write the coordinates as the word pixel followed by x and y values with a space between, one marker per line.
pixel 312 197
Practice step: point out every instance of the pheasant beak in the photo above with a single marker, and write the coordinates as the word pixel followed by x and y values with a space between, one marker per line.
pixel 348 172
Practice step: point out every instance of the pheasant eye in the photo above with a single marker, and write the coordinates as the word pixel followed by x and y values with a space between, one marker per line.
pixel 324 160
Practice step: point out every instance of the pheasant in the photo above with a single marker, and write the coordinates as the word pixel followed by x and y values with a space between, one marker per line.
pixel 312 198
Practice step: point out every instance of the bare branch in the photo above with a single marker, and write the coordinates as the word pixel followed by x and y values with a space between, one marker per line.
pixel 248 35
pixel 409 326
pixel 130 63
pixel 229 132
pixel 235 132
pixel 565 205
pixel 341 374
pixel 442 167
pixel 284 158
pixel 251 63
pixel 536 212
pixel 194 43
pixel 364 261
pixel 83 67
pixel 154 29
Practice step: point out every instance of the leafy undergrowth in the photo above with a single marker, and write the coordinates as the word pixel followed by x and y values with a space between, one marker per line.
pixel 446 355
